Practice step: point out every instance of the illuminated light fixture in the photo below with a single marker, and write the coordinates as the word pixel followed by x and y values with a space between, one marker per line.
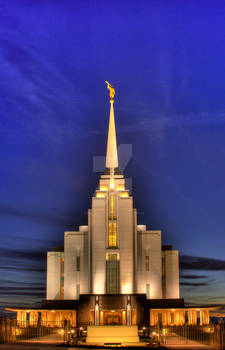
pixel 124 195
pixel 100 195
pixel 197 309
pixel 104 188
pixel 108 256
pixel 111 184
pixel 126 288
pixel 52 310
pixel 121 188
pixel 28 311
pixel 173 310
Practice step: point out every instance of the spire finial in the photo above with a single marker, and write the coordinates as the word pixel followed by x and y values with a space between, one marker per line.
pixel 111 91
pixel 111 154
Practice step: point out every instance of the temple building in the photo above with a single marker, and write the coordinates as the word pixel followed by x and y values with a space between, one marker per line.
pixel 113 270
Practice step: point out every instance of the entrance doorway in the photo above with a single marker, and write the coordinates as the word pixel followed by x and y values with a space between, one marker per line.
pixel 113 317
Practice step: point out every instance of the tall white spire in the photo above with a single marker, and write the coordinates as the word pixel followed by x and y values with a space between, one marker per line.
pixel 111 154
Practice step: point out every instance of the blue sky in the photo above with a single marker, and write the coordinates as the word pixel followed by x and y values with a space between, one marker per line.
pixel 166 60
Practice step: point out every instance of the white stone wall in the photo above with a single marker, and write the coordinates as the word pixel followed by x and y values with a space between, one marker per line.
pixel 135 249
pixel 126 243
pixel 54 275
pixel 149 244
pixel 172 274
pixel 76 282
pixel 99 220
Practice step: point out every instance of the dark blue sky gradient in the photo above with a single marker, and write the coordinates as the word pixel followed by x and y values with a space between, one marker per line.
pixel 166 60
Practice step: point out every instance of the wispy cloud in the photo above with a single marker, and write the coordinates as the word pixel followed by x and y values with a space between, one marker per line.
pixel 201 264
pixel 198 284
pixel 34 255
pixel 193 276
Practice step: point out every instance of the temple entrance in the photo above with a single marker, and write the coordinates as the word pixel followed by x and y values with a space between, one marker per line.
pixel 113 317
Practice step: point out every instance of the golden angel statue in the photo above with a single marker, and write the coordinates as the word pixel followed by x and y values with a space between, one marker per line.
pixel 111 90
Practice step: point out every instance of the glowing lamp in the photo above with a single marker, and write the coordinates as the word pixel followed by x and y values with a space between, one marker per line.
pixel 100 195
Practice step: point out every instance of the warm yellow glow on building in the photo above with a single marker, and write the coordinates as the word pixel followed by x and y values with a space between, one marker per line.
pixel 124 195
pixel 107 256
pixel 126 288
pixel 112 234
pixel 112 184
pixel 121 188
pixel 100 195
pixel 112 206
pixel 104 188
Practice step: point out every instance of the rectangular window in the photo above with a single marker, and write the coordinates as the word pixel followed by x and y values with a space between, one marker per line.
pixel 78 263
pixel 148 291
pixel 62 280
pixel 172 318
pixel 112 206
pixel 62 266
pixel 112 234
pixel 147 263
pixel 78 291
pixel 112 273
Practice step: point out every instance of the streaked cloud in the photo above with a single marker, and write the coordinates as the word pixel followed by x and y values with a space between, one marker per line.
pixel 200 263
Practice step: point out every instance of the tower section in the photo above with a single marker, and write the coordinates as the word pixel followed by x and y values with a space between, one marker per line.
pixel 112 225
pixel 112 237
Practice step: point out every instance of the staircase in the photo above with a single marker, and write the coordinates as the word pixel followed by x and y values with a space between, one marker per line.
pixel 112 335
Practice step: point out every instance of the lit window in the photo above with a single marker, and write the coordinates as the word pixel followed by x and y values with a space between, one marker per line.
pixel 100 195
pixel 112 206
pixel 147 263
pixel 124 195
pixel 120 188
pixel 78 263
pixel 112 234
pixel 103 188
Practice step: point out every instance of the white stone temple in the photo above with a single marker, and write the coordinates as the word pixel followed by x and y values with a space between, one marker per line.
pixel 113 254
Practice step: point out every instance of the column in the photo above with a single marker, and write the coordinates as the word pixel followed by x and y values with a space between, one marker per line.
pixel 97 311
pixel 190 317
pixel 202 318
pixel 182 317
pixel 151 318
pixel 207 318
pixel 194 317
pixel 18 317
pixel 128 311
pixel 167 318
pixel 101 318
pixel 164 318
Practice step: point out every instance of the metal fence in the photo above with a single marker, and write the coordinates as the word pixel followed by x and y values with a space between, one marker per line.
pixel 212 334
pixel 13 332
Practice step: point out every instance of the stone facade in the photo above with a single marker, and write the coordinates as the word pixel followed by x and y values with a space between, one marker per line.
pixel 113 254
